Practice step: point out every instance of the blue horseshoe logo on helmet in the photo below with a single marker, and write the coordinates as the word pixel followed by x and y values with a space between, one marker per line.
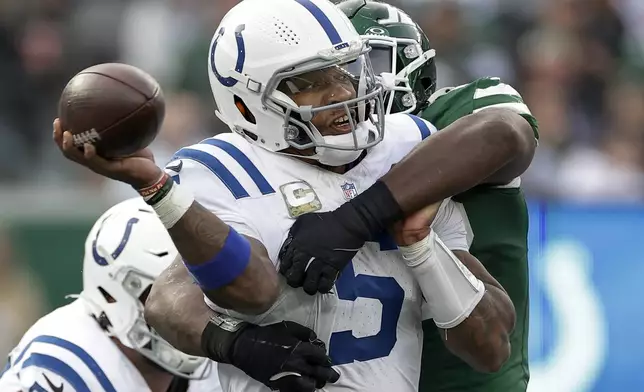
pixel 241 56
pixel 102 261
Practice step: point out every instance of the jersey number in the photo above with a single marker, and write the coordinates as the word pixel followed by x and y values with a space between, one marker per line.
pixel 346 348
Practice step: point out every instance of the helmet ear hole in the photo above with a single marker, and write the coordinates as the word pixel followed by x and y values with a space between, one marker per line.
pixel 251 135
pixel 248 116
pixel 106 295
pixel 244 110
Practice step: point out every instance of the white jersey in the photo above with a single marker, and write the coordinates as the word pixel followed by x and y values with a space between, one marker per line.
pixel 371 322
pixel 66 351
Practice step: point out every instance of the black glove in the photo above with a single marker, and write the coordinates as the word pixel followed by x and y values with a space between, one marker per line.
pixel 317 249
pixel 285 356
pixel 320 245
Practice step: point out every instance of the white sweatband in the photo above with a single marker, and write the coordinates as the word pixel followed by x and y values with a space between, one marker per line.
pixel 174 205
pixel 450 289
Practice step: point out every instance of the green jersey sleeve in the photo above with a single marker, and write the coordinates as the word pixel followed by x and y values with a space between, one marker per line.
pixel 449 104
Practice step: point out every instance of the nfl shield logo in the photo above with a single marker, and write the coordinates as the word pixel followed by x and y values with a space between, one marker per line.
pixel 349 190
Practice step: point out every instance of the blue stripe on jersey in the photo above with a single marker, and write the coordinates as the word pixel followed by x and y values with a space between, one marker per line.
pixel 214 165
pixel 422 126
pixel 323 20
pixel 76 350
pixel 245 163
pixel 59 367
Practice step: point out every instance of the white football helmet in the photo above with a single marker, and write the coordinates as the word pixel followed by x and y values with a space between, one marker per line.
pixel 265 50
pixel 125 251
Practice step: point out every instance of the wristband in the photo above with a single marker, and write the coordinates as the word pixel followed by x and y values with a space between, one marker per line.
pixel 217 343
pixel 149 191
pixel 226 266
pixel 170 202
pixel 417 253
pixel 166 185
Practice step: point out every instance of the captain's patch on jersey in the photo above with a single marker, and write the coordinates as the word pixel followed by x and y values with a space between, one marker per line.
pixel 300 198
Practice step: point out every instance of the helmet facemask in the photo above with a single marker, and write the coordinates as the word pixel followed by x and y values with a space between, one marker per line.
pixel 359 118
pixel 397 78
pixel 121 316
pixel 401 55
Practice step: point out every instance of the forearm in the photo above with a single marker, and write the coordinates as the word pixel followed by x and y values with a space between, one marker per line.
pixel 176 310
pixel 466 303
pixel 492 145
pixel 200 236
pixel 483 339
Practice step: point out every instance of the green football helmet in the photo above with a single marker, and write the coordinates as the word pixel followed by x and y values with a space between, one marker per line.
pixel 400 53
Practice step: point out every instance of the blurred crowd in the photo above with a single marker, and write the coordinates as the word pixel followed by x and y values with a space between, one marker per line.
pixel 577 63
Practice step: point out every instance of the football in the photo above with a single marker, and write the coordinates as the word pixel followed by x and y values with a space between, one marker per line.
pixel 116 107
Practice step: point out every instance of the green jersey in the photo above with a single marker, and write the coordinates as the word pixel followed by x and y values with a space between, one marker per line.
pixel 498 222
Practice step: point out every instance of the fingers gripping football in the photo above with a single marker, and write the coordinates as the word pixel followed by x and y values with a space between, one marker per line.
pixel 138 170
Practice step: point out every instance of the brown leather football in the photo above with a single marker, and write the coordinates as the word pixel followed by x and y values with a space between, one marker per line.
pixel 116 107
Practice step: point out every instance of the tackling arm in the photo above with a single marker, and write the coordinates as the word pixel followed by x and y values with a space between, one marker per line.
pixel 470 308
pixel 483 339
pixel 176 310
pixel 285 356
pixel 494 146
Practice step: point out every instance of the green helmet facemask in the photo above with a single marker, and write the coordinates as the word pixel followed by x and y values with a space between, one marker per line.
pixel 400 53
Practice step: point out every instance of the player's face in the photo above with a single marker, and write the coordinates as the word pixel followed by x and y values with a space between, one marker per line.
pixel 320 88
